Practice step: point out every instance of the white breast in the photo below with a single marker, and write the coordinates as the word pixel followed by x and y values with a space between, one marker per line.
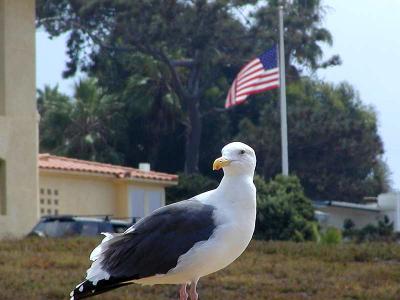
pixel 235 215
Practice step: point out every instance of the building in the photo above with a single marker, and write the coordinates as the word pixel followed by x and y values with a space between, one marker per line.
pixel 85 188
pixel 67 186
pixel 334 213
pixel 79 187
pixel 18 118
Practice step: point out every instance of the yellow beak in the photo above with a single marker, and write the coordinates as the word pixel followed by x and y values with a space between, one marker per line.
pixel 220 162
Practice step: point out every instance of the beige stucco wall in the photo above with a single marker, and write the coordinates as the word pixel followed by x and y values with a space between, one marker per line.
pixel 78 194
pixel 121 208
pixel 18 117
pixel 88 194
pixel 337 216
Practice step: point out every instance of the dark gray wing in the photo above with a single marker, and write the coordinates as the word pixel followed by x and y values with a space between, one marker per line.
pixel 158 240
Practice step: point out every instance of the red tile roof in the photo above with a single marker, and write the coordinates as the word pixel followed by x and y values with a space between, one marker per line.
pixel 52 162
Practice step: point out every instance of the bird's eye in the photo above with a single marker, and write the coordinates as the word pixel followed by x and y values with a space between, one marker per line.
pixel 242 152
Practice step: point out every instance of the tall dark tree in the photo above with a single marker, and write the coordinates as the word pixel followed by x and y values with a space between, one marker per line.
pixel 152 116
pixel 199 45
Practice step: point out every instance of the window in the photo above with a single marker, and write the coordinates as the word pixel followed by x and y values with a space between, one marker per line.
pixel 154 199
pixel 49 201
pixel 137 202
pixel 143 202
pixel 41 201
pixel 41 191
pixel 3 200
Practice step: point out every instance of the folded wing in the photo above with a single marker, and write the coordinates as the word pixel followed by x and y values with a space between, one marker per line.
pixel 151 247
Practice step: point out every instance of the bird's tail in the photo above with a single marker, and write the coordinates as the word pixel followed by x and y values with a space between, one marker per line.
pixel 87 289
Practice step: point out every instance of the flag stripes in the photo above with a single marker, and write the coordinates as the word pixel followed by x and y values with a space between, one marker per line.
pixel 258 75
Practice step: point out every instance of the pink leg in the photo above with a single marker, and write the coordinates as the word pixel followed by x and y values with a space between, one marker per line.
pixel 193 292
pixel 183 295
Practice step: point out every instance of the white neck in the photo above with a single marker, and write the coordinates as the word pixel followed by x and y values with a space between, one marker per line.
pixel 231 178
pixel 238 190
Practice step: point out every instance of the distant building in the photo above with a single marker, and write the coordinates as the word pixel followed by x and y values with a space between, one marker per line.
pixel 334 213
pixel 85 188
pixel 79 187
pixel 65 186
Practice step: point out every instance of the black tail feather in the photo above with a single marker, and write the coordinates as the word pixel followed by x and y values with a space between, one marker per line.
pixel 87 289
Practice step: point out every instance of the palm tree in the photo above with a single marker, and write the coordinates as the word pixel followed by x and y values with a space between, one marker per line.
pixel 55 109
pixel 78 126
pixel 89 134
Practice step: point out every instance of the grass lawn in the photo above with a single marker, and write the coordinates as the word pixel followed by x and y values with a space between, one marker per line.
pixel 49 269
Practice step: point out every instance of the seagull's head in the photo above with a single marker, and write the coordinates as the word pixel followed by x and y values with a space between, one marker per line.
pixel 237 159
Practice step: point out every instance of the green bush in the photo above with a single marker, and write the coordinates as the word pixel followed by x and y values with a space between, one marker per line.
pixel 332 236
pixel 383 232
pixel 349 230
pixel 189 186
pixel 315 234
pixel 283 211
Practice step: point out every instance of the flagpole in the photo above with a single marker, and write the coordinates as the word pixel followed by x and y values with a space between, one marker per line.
pixel 282 88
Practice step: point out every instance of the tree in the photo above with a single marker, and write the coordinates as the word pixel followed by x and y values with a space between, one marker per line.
pixel 150 115
pixel 55 115
pixel 334 146
pixel 304 34
pixel 78 127
pixel 198 45
pixel 89 135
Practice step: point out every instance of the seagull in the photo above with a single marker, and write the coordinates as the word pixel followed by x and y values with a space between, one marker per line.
pixel 182 242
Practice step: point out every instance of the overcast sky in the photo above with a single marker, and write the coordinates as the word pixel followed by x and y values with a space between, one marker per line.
pixel 366 36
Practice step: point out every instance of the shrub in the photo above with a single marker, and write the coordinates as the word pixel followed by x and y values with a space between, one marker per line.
pixel 370 233
pixel 385 227
pixel 332 236
pixel 348 224
pixel 349 230
pixel 315 236
pixel 283 212
pixel 189 186
pixel 382 232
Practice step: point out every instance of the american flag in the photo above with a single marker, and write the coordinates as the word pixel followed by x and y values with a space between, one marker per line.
pixel 258 75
